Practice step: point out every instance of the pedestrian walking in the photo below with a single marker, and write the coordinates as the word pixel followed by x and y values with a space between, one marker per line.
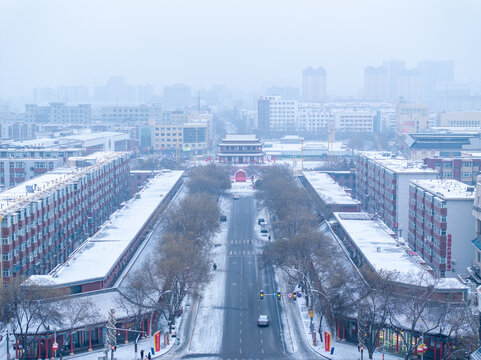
pixel 149 357
pixel 359 347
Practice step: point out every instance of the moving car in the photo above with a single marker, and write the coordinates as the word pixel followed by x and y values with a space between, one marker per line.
pixel 223 218
pixel 236 197
pixel 263 320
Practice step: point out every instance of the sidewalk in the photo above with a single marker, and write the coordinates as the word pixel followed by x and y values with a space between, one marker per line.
pixel 342 350
pixel 126 351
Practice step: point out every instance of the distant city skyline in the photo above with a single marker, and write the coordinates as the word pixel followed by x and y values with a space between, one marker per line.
pixel 248 45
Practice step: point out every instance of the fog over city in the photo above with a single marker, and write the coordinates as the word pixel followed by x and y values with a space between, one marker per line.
pixel 241 44
pixel 250 179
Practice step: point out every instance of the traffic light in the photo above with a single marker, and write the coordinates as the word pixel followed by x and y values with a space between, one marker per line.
pixel 294 295
pixel 262 295
pixel 278 295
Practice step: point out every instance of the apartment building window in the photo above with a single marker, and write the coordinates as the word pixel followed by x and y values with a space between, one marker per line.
pixel 448 175
pixel 467 164
pixel 466 174
pixel 447 165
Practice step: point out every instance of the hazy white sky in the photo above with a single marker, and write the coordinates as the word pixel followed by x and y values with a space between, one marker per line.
pixel 244 43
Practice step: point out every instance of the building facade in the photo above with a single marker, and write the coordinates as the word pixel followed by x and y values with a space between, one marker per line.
pixel 139 114
pixel 411 118
pixel 354 121
pixel 177 96
pixel 314 84
pixel 16 171
pixel 45 219
pixel 182 136
pixel 240 149
pixel 440 224
pixel 58 113
pixel 462 168
pixel 382 186
pixel 460 119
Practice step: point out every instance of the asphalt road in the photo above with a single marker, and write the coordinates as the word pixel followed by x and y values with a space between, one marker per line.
pixel 242 339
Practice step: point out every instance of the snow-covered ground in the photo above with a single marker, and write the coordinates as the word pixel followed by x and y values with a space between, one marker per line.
pixel 206 335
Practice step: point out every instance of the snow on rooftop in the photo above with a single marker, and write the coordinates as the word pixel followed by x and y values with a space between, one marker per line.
pixel 95 157
pixel 447 189
pixel 376 242
pixel 30 189
pixel 93 135
pixel 95 258
pixel 306 146
pixel 397 164
pixel 329 190
pixel 35 185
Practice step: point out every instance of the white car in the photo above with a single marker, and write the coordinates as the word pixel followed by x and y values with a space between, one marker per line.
pixel 263 320
pixel 236 197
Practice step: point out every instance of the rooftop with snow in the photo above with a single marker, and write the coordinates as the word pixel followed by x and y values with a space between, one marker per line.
pixel 35 188
pixel 446 189
pixel 241 138
pixel 329 190
pixel 383 252
pixel 98 255
pixel 396 164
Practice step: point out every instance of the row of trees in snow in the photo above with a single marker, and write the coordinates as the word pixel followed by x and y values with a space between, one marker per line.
pixel 337 290
pixel 180 265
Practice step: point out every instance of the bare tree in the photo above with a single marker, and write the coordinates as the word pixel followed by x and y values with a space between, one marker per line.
pixel 460 330
pixel 415 313
pixel 77 312
pixel 196 217
pixel 185 269
pixel 373 307
pixel 29 310
pixel 211 179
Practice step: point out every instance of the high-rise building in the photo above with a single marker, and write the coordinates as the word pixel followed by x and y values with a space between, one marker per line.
pixel 435 72
pixel 286 92
pixel 393 80
pixel 73 94
pixel 139 114
pixel 441 225
pixel 314 84
pixel 46 218
pixel 411 118
pixel 382 185
pixel 118 92
pixel 177 96
pixel 58 113
pixel 278 115
pixel 376 83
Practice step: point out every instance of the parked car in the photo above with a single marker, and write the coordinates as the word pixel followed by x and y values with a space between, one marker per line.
pixel 260 221
pixel 236 197
pixel 263 320
pixel 264 232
